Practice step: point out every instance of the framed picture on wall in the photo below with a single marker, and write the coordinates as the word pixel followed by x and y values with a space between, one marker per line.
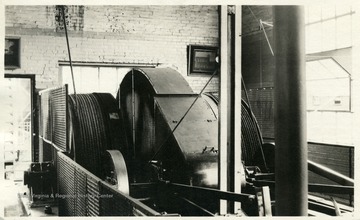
pixel 12 52
pixel 202 59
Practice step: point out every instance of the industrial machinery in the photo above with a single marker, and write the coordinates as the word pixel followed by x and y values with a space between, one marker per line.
pixel 152 151
pixel 41 181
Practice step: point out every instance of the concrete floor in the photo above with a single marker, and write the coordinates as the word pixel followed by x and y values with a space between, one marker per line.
pixel 14 195
pixel 11 200
pixel 16 202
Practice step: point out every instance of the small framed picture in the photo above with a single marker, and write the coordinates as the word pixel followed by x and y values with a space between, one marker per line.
pixel 12 52
pixel 202 59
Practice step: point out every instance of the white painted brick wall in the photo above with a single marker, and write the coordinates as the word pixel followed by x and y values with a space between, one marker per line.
pixel 130 34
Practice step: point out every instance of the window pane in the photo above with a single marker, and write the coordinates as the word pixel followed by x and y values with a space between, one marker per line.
pixel 329 127
pixel 314 13
pixel 89 80
pixel 328 35
pixel 328 11
pixel 65 75
pixel 344 125
pixel 121 74
pixel 313 42
pixel 108 80
pixel 342 9
pixel 94 79
pixel 67 79
pixel 343 32
pixel 335 24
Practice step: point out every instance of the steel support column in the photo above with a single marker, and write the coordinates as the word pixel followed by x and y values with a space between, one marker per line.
pixel 290 112
pixel 223 110
pixel 238 168
pixel 230 166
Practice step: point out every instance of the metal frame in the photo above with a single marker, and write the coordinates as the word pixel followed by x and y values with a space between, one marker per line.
pixel 191 59
pixel 11 67
pixel 230 171
pixel 51 142
pixel 34 117
pixel 135 203
pixel 223 133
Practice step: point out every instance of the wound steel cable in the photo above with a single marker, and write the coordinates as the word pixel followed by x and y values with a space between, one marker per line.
pixel 254 120
pixel 96 123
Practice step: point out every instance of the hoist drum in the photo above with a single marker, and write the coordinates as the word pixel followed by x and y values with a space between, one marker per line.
pixel 153 101
pixel 95 126
pixel 251 139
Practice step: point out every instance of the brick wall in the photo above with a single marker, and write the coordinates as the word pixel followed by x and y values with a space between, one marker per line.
pixel 116 34
pixel 252 14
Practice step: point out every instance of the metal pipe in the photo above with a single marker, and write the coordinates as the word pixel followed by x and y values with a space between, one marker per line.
pixel 230 105
pixel 313 187
pixel 214 193
pixel 291 175
pixel 330 174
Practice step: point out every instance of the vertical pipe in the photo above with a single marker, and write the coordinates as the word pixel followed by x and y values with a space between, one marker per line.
pixel 290 112
pixel 238 171
pixel 223 103
pixel 230 106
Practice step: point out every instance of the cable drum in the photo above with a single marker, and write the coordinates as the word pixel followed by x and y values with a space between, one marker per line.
pixel 95 126
pixel 251 140
pixel 154 103
pixel 114 126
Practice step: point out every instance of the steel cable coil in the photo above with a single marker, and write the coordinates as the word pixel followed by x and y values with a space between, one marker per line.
pixel 95 126
pixel 114 125
pixel 251 139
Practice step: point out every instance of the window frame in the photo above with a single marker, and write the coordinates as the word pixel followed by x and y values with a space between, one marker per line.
pixel 310 23
pixel 98 65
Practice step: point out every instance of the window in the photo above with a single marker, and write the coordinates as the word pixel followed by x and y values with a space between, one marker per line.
pixel 328 86
pixel 328 70
pixel 90 79
pixel 328 27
